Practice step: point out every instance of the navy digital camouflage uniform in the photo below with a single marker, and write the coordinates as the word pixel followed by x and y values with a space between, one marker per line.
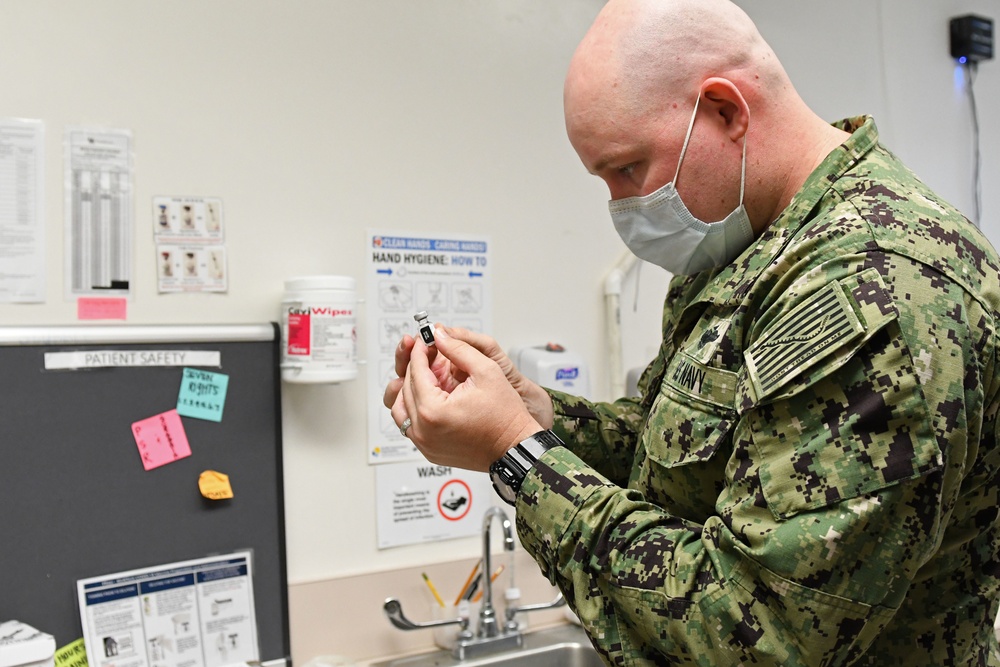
pixel 809 476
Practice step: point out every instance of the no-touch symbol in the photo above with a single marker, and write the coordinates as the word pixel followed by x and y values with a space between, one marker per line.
pixel 454 500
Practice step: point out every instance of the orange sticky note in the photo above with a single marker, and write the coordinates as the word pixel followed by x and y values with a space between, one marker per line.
pixel 100 308
pixel 215 485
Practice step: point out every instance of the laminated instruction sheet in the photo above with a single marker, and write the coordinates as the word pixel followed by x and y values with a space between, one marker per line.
pixel 197 613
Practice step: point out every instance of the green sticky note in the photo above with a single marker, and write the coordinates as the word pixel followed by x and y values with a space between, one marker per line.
pixel 202 394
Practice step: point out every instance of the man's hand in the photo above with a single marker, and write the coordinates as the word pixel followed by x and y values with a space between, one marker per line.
pixel 463 409
pixel 535 398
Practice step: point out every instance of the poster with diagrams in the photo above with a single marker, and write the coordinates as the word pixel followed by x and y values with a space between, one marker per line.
pixel 190 248
pixel 197 613
pixel 446 275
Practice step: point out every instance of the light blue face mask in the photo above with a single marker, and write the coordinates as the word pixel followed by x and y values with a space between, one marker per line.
pixel 660 229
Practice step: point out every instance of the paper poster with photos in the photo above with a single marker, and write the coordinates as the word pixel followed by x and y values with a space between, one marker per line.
pixel 190 244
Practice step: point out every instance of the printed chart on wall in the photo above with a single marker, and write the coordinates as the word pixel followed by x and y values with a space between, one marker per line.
pixel 197 613
pixel 448 277
pixel 22 211
pixel 99 212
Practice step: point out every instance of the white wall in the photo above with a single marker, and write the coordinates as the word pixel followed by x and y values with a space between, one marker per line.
pixel 889 58
pixel 317 119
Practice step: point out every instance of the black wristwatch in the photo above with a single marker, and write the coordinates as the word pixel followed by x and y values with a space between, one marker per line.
pixel 509 470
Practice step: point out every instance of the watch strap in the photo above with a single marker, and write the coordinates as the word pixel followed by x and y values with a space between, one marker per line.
pixel 510 470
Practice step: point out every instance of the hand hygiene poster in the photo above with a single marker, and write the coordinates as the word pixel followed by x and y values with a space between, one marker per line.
pixel 448 276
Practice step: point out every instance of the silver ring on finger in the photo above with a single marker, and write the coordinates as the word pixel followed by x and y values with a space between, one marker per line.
pixel 405 425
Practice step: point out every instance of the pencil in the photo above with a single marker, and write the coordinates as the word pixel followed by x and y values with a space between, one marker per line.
pixel 474 587
pixel 493 577
pixel 468 581
pixel 433 590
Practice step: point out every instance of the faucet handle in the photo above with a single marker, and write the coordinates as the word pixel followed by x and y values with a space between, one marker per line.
pixel 394 611
pixel 557 602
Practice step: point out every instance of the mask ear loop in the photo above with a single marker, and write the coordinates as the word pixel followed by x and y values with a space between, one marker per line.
pixel 687 138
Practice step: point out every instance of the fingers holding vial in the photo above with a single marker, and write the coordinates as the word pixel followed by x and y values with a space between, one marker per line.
pixel 402 360
pixel 468 425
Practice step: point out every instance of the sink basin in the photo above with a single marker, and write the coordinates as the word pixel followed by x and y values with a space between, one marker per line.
pixel 563 645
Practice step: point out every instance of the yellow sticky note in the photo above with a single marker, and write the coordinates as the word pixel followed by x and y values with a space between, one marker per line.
pixel 215 485
pixel 72 655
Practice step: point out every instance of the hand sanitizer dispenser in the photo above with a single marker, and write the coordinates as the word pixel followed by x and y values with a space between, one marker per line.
pixel 554 367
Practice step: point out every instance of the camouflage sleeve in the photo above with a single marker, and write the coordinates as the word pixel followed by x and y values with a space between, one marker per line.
pixel 603 434
pixel 834 494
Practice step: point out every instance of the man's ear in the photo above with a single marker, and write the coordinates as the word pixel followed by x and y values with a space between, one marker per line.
pixel 722 97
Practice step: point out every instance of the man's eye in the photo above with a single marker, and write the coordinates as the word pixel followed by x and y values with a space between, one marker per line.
pixel 627 170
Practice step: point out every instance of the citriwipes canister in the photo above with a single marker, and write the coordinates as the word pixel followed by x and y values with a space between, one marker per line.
pixel 319 330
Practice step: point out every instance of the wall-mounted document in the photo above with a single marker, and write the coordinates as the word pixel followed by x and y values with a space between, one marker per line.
pixel 197 613
pixel 22 214
pixel 99 212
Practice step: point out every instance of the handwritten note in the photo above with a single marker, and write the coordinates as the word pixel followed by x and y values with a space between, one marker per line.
pixel 161 439
pixel 202 394
pixel 73 654
pixel 215 485
pixel 100 308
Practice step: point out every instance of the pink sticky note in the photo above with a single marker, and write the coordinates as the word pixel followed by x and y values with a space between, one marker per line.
pixel 100 308
pixel 161 439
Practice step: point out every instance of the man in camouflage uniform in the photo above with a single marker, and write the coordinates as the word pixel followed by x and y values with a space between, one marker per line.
pixel 809 475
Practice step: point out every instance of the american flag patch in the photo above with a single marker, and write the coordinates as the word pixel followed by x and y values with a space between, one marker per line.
pixel 802 338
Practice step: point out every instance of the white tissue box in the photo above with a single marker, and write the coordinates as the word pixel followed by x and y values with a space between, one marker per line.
pixel 23 646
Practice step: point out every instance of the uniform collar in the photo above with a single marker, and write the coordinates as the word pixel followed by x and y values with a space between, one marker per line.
pixel 733 281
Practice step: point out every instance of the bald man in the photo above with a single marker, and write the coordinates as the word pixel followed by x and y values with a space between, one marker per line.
pixel 809 474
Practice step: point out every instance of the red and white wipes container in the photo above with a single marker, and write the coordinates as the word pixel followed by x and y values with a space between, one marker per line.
pixel 319 330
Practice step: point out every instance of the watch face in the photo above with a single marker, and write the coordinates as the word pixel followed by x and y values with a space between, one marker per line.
pixel 503 482
pixel 507 494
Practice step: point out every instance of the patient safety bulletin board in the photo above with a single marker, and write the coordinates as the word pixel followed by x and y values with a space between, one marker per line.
pixel 143 473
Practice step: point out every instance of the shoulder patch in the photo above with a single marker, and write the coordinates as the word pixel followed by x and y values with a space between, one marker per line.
pixel 802 338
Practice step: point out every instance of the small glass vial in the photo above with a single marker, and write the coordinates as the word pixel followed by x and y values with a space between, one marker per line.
pixel 426 332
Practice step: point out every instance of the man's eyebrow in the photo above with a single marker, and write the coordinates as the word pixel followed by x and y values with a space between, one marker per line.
pixel 603 163
pixel 599 167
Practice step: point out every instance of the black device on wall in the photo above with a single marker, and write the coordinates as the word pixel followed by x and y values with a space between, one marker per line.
pixel 971 38
pixel 77 502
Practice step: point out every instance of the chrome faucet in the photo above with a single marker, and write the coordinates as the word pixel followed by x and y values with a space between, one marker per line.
pixel 490 636
pixel 487 614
